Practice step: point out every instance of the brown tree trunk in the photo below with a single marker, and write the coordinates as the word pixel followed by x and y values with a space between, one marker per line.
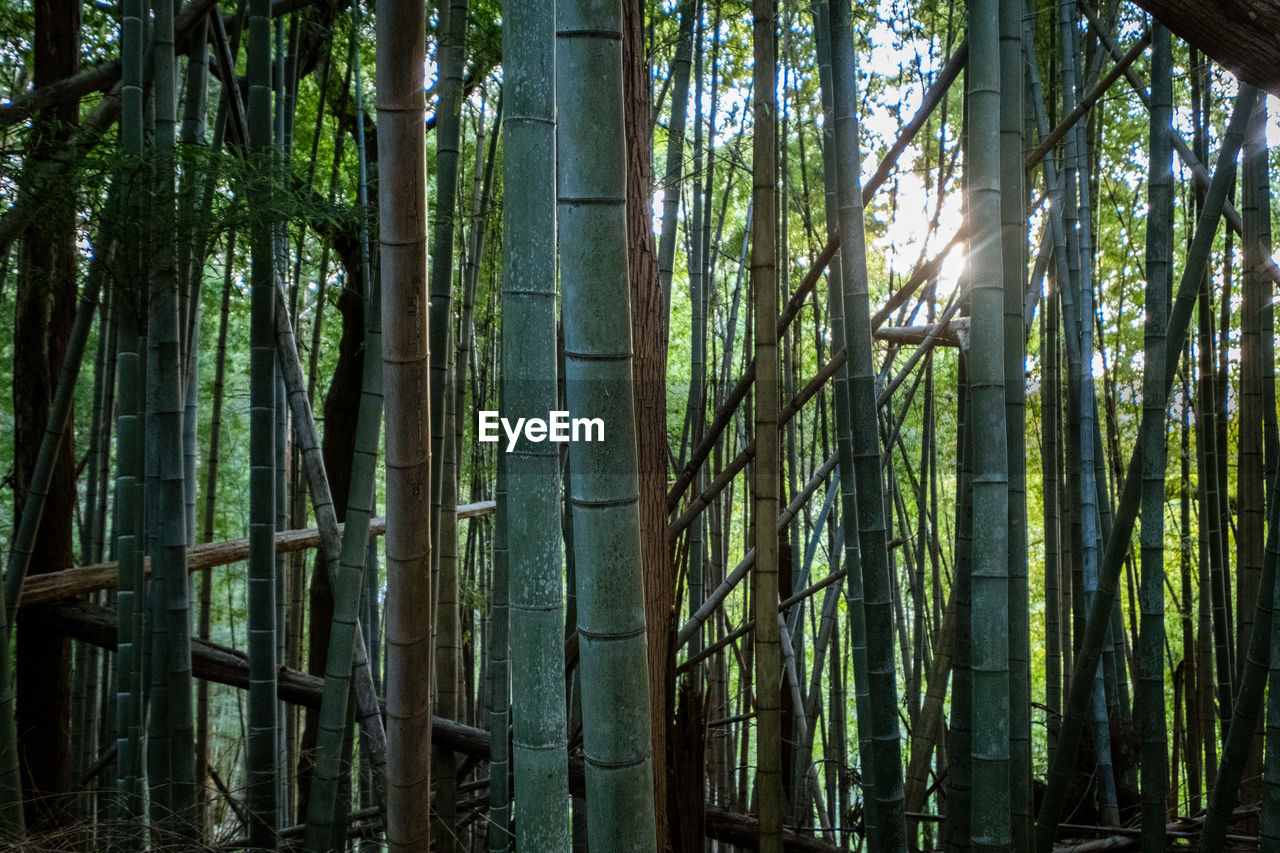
pixel 43 314
pixel 689 766
pixel 649 367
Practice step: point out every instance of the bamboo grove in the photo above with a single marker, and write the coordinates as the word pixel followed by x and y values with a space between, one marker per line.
pixel 932 351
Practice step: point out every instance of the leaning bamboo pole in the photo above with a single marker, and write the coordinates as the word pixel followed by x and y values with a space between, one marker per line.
pixel 872 575
pixel 324 822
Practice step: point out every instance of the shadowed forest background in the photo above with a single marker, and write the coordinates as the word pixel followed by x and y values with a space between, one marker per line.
pixel 935 347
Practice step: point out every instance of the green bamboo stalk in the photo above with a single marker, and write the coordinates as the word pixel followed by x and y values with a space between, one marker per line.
pixel 82 746
pixel 696 409
pixel 204 617
pixel 1151 637
pixel 190 415
pixel 91 532
pixel 155 625
pixel 848 503
pixel 451 27
pixel 482 205
pixel 768 792
pixel 1212 497
pixel 472 680
pixel 448 637
pixel 1082 449
pixel 473 673
pixel 925 549
pixel 1063 325
pixel 802 788
pixel 1071 329
pixel 90 721
pixel 801 810
pixel 1251 469
pixel 1050 418
pixel 369 625
pixel 713 572
pixel 1257 245
pixel 165 465
pixel 915 686
pixel 1190 647
pixel 1209 736
pixel 591 170
pixel 680 65
pixel 191 251
pixel 128 520
pixel 130 597
pixel 344 636
pixel 282 151
pixel 848 517
pixel 1013 234
pixel 1207 455
pixel 929 729
pixel 366 664
pixel 834 744
pixel 529 389
pixel 959 746
pixel 261 751
pixel 499 835
pixel 872 541
pixel 339 143
pixel 107 325
pixel 452 20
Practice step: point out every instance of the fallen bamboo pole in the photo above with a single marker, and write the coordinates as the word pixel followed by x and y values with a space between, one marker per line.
pixel 68 583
